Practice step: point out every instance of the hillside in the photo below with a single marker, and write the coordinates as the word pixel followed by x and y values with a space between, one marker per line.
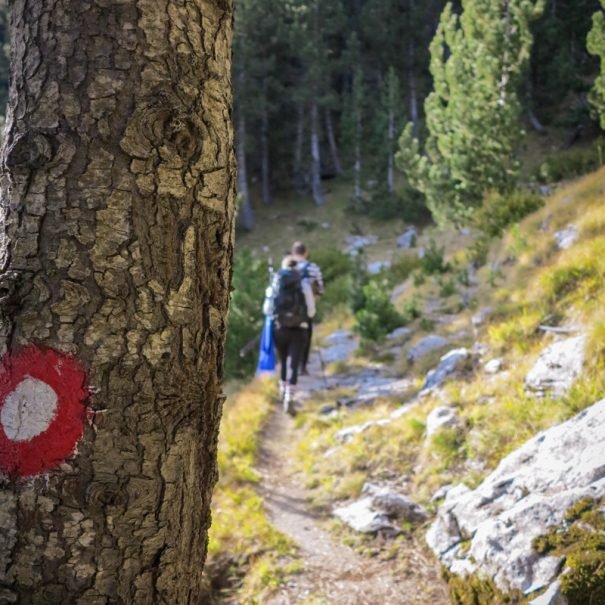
pixel 377 423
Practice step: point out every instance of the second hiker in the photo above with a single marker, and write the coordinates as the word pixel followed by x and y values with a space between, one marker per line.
pixel 290 302
pixel 310 272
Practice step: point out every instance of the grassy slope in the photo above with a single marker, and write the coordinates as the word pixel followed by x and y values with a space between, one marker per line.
pixel 527 281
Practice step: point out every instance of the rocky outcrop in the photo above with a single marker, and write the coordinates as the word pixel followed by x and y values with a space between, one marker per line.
pixel 557 367
pixel 355 243
pixel 490 530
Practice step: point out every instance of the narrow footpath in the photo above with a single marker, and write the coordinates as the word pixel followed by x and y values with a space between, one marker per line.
pixel 332 573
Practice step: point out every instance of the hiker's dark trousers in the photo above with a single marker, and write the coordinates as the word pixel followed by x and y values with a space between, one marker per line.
pixel 290 344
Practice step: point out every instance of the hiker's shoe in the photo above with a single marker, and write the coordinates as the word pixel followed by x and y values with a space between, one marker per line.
pixel 282 391
pixel 289 400
pixel 304 372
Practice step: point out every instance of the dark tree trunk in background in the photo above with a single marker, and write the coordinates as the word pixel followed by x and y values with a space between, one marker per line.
pixel 316 189
pixel 265 158
pixel 245 213
pixel 332 142
pixel 413 92
pixel 117 211
pixel 298 171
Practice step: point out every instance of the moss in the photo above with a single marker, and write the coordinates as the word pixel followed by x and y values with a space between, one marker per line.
pixel 473 590
pixel 581 541
pixel 585 582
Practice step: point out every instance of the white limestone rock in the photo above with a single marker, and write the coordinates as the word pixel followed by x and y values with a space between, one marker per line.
pixel 557 367
pixel 451 362
pixel 408 238
pixel 426 345
pixel 363 517
pixel 493 366
pixel 566 238
pixel 355 243
pixel 350 431
pixel 399 333
pixel 440 418
pixel 529 492
pixel 377 266
pixel 552 596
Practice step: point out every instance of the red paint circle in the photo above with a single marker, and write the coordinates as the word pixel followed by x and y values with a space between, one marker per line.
pixel 58 441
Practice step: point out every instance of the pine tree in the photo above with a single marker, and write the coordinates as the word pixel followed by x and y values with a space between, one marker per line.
pixel 478 60
pixel 596 46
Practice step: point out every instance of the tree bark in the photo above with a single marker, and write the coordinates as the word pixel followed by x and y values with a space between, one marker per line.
pixel 117 207
pixel 316 190
pixel 332 142
pixel 299 176
pixel 245 215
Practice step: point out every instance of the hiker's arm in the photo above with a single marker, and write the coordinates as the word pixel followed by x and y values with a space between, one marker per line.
pixel 309 298
pixel 320 280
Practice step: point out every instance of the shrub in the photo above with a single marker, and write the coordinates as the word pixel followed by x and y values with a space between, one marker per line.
pixel 571 163
pixel 378 316
pixel 333 263
pixel 408 206
pixel 250 278
pixel 401 269
pixel 500 210
pixel 433 260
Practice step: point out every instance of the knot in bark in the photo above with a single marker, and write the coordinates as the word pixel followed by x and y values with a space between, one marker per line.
pixel 27 151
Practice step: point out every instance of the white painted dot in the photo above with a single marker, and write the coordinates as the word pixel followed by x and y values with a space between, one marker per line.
pixel 28 410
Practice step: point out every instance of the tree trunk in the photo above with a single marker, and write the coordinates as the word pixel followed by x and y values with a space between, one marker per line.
pixel 391 150
pixel 298 176
pixel 265 158
pixel 332 142
pixel 316 190
pixel 412 76
pixel 117 211
pixel 245 214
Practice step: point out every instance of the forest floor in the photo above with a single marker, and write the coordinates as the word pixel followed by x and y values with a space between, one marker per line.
pixel 332 573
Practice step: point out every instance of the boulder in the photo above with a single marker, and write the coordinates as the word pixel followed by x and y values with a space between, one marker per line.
pixel 362 517
pixel 426 345
pixel 493 366
pixel 399 333
pixel 557 367
pixel 393 504
pixel 528 493
pixel 451 362
pixel 377 266
pixel 355 243
pixel 441 418
pixel 566 238
pixel 408 238
pixel 378 510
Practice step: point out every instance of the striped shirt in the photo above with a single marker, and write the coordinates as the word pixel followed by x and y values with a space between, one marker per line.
pixel 311 271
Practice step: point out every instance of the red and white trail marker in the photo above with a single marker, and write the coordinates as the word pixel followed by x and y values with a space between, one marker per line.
pixel 42 411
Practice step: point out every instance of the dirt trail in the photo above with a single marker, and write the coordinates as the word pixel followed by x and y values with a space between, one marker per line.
pixel 334 574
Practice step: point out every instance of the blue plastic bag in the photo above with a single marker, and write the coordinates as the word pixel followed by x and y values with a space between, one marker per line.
pixel 266 358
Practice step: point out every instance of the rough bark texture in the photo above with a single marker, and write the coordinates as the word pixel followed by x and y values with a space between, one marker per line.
pixel 332 142
pixel 118 208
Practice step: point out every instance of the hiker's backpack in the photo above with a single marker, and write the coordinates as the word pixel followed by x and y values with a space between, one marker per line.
pixel 289 306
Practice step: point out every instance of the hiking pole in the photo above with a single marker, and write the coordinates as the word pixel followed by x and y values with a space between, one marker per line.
pixel 322 365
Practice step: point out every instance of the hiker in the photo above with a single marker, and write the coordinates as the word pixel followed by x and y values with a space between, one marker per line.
pixel 290 302
pixel 311 272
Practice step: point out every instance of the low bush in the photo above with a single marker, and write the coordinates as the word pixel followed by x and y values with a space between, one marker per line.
pixel 571 163
pixel 408 206
pixel 378 316
pixel 499 210
pixel 250 279
pixel 433 260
